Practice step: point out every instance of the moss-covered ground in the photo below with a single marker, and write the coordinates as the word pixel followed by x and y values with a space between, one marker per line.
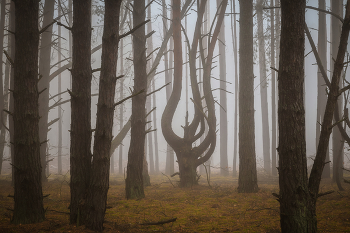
pixel 218 208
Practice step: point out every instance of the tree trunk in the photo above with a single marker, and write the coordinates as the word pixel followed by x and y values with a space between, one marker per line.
pixel 28 194
pixel 80 134
pixel 12 73
pixel 263 89
pixel 155 135
pixel 273 96
pixel 59 109
pixel 44 83
pixel 2 101
pixel 224 171
pixel 99 181
pixel 296 207
pixel 321 90
pixel 121 107
pixel 338 146
pixel 134 182
pixel 247 180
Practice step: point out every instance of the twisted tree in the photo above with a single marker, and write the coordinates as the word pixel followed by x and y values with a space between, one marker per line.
pixel 189 157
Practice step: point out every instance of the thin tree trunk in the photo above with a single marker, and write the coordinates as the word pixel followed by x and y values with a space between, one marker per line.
pixel 28 196
pixel 80 134
pixel 59 109
pixel 121 107
pixel 247 180
pixel 224 171
pixel 338 146
pixel 321 91
pixel 2 103
pixel 273 92
pixel 235 53
pixel 99 182
pixel 12 73
pixel 44 83
pixel 263 89
pixel 156 165
pixel 134 181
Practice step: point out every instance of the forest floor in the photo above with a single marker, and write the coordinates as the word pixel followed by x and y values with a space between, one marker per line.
pixel 203 208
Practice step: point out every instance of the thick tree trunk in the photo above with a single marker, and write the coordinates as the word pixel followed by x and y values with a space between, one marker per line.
pixel 11 104
pixel 247 181
pixel 296 206
pixel 80 134
pixel 44 83
pixel 28 195
pixel 134 182
pixel 321 91
pixel 224 171
pixel 263 89
pixel 99 181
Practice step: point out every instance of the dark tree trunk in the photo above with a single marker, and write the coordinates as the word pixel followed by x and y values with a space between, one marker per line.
pixel 59 110
pixel 321 91
pixel 263 89
pixel 44 83
pixel 2 102
pixel 134 182
pixel 28 195
pixel 338 145
pixel 99 181
pixel 12 73
pixel 224 171
pixel 80 134
pixel 247 181
pixel 295 203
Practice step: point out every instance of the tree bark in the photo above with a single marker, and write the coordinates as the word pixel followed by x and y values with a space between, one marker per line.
pixel 247 180
pixel 99 181
pixel 28 195
pixel 224 170
pixel 44 83
pixel 2 99
pixel 263 89
pixel 134 181
pixel 80 134
pixel 59 109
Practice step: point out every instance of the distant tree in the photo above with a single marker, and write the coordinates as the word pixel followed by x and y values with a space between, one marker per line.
pixel 263 88
pixel 134 181
pixel 223 100
pixel 189 157
pixel 2 99
pixel 44 83
pixel 59 90
pixel 247 180
pixel 28 197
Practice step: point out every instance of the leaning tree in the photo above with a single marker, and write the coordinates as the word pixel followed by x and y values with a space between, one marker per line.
pixel 189 156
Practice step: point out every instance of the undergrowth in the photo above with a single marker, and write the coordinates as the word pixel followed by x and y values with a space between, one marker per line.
pixel 218 208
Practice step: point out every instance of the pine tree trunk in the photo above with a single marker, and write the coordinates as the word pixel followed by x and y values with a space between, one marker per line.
pixel 80 134
pixel 99 181
pixel 121 107
pixel 247 181
pixel 44 83
pixel 224 171
pixel 134 182
pixel 59 109
pixel 2 100
pixel 28 194
pixel 263 89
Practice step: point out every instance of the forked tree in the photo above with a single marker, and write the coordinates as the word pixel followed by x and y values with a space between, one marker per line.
pixel 189 156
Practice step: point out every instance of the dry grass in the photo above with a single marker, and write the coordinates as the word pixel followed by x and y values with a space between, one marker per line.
pixel 218 208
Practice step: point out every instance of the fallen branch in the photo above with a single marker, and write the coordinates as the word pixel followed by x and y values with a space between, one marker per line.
pixel 159 223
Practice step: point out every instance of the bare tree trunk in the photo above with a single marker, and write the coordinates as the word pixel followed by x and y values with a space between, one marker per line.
pixel 99 182
pixel 149 100
pixel 338 145
pixel 321 90
pixel 235 53
pixel 273 96
pixel 156 165
pixel 121 107
pixel 28 196
pixel 247 181
pixel 12 73
pixel 80 134
pixel 2 103
pixel 224 171
pixel 134 181
pixel 263 89
pixel 59 109
pixel 44 83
